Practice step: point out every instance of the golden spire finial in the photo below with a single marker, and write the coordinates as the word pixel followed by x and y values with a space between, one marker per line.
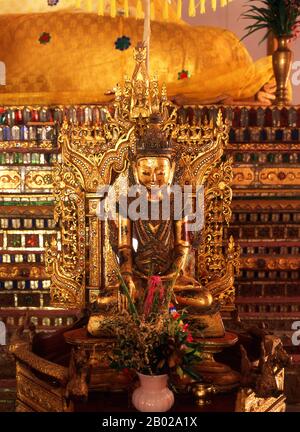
pixel 140 98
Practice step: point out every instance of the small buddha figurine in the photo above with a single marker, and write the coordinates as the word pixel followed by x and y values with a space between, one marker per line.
pixel 160 246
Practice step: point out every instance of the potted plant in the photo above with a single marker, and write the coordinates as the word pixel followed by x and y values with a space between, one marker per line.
pixel 157 344
pixel 280 18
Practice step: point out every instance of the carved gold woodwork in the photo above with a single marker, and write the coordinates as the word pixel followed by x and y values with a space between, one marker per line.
pixel 265 206
pixel 243 176
pixel 41 179
pixel 65 262
pixel 39 364
pixel 216 266
pixel 8 271
pixel 96 155
pixel 10 179
pixel 246 176
pixel 248 401
pixel 36 211
pixel 16 145
pixel 276 176
pixel 256 146
pixel 199 147
pixel 36 395
pixel 270 263
pixel 94 245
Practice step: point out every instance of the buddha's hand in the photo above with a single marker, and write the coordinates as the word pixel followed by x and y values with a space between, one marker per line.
pixel 169 277
pixel 131 289
pixel 267 94
pixel 177 266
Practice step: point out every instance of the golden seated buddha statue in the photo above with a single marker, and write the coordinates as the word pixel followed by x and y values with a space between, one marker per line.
pixel 158 245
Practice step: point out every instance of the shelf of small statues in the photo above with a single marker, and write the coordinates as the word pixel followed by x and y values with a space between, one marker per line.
pixel 264 135
pixel 27 133
pixel 55 318
pixel 32 299
pixel 239 116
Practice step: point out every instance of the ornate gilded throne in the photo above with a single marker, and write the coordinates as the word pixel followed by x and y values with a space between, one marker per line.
pixel 82 262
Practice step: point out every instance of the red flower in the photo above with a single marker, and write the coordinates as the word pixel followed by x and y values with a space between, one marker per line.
pixel 155 286
pixel 189 338
pixel 31 240
pixel 183 74
pixel 185 327
pixel 44 38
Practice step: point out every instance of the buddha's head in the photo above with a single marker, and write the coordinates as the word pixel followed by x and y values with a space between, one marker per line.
pixel 154 171
pixel 154 166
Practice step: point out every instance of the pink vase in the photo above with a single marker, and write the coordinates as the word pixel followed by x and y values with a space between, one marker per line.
pixel 153 395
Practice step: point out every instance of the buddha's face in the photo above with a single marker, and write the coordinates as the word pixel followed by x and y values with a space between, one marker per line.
pixel 154 172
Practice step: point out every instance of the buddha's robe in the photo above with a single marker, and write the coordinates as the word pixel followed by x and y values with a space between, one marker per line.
pixel 80 63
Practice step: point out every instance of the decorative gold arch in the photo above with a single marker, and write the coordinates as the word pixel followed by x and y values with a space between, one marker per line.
pixel 81 265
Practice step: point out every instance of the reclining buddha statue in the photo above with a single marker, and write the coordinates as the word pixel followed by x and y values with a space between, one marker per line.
pixel 82 66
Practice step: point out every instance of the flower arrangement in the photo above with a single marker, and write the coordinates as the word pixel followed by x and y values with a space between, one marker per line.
pixel 279 17
pixel 156 341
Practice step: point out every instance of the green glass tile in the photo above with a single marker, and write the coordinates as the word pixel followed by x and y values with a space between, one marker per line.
pixel 26 203
pixel 270 157
pixel 239 157
pixel 35 158
pixel 14 240
pixel 17 158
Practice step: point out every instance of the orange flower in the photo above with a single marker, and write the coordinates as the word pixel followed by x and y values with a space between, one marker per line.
pixel 175 314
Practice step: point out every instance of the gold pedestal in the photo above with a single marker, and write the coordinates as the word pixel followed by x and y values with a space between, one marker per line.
pixel 221 376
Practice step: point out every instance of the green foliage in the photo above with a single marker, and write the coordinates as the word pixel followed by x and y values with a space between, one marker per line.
pixel 276 16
